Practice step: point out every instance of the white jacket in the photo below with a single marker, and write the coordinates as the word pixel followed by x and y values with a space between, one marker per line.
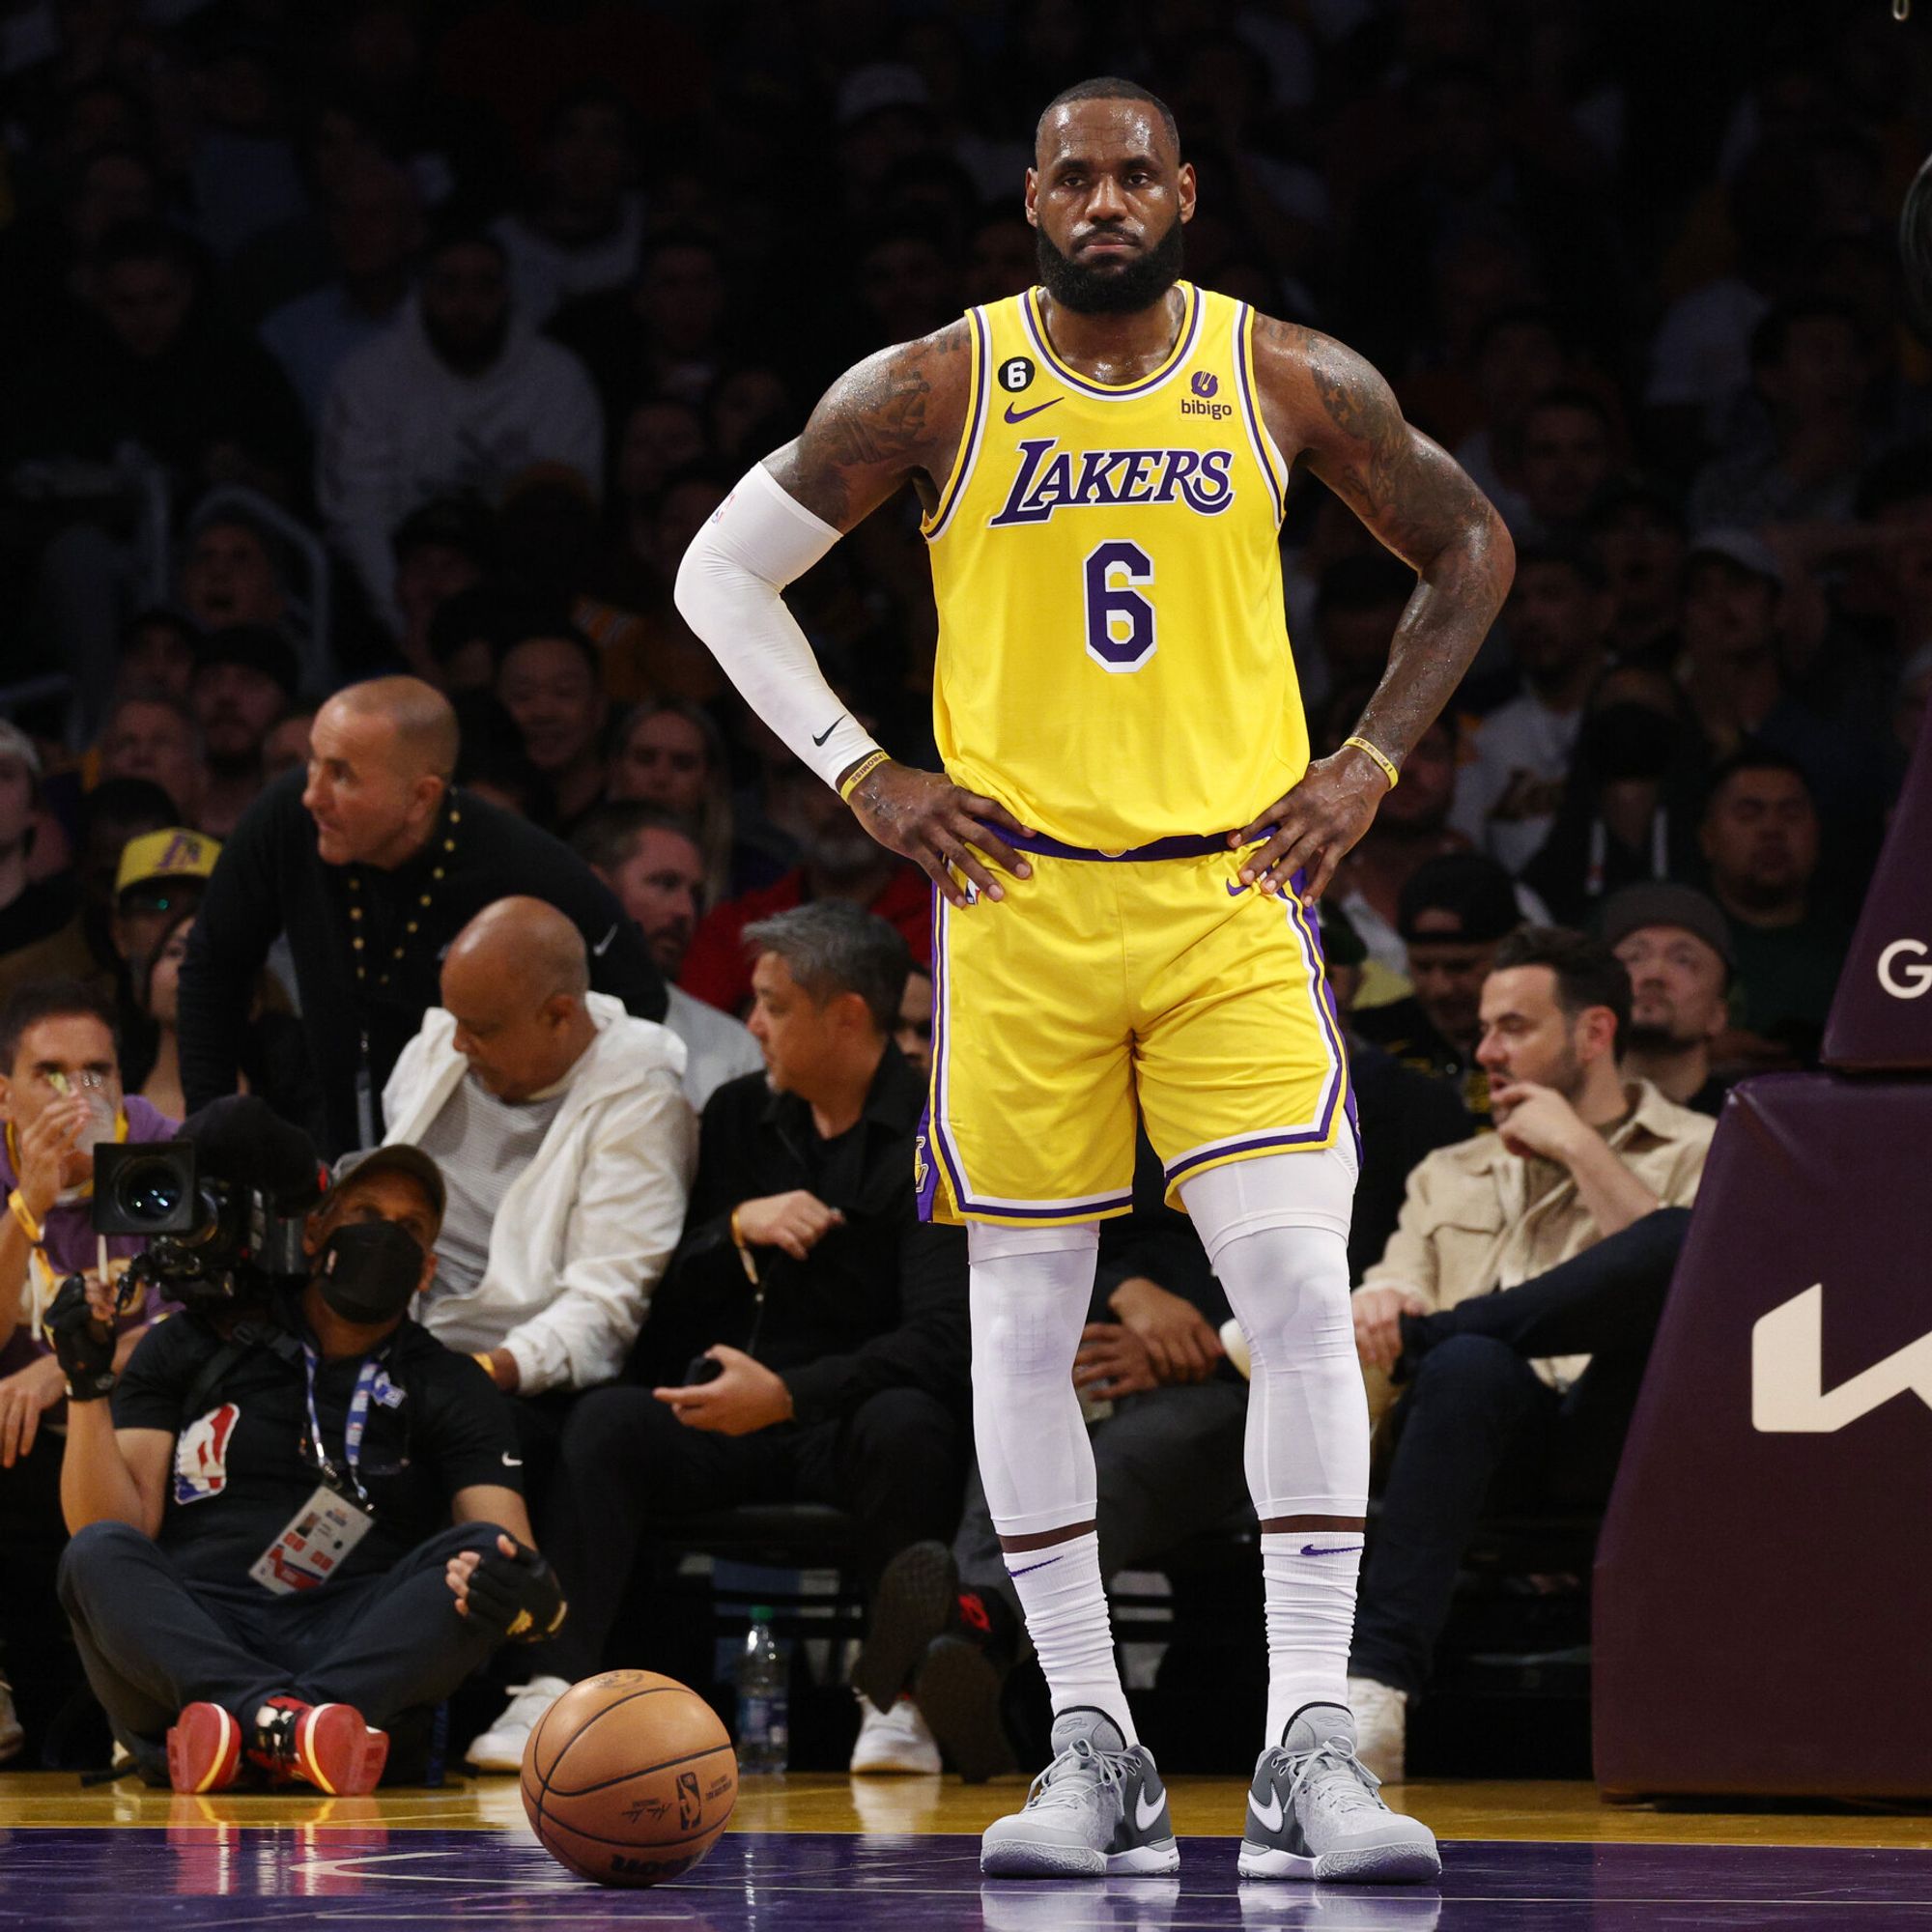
pixel 400 426
pixel 583 1235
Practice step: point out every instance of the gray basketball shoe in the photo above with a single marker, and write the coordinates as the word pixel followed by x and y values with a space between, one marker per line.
pixel 1098 1808
pixel 1313 1812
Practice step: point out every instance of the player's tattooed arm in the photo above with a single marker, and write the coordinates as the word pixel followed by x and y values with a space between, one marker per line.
pixel 896 418
pixel 1328 408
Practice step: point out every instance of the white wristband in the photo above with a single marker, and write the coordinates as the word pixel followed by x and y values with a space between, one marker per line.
pixel 758 540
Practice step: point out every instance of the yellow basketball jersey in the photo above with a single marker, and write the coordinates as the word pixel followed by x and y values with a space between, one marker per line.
pixel 1113 663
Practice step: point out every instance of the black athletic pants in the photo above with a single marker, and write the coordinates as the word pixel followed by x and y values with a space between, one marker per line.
pixel 1478 1426
pixel 152 1642
pixel 898 1463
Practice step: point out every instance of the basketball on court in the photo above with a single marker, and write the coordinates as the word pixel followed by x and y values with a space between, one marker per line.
pixel 630 1779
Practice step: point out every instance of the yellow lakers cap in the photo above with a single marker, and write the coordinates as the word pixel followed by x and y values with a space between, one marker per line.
pixel 172 853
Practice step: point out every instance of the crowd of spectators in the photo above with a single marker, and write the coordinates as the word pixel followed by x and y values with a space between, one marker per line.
pixel 371 364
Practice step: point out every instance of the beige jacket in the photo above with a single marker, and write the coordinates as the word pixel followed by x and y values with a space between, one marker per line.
pixel 1477 1217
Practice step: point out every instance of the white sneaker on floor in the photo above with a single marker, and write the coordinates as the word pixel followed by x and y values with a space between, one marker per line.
pixel 501 1747
pixel 11 1736
pixel 1381 1727
pixel 895 1742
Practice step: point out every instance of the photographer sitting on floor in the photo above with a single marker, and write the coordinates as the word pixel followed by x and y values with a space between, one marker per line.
pixel 301 1516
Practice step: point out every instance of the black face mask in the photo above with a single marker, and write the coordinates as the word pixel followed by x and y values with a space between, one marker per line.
pixel 1627 741
pixel 368 1270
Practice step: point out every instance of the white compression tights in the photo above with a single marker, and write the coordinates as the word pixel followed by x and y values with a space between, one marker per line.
pixel 1030 1291
pixel 1276 1232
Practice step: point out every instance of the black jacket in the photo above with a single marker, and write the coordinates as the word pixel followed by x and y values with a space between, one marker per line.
pixel 270 878
pixel 879 1303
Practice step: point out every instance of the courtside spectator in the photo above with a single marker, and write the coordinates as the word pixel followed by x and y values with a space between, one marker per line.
pixel 1761 841
pixel 114 812
pixel 581 233
pixel 161 875
pixel 673 754
pixel 442 550
pixel 840 863
pixel 60 1094
pixel 1675 942
pixel 650 859
pixel 566 1150
pixel 836 1318
pixel 245 679
pixel 1451 915
pixel 233 574
pixel 1568 452
pixel 1631 802
pixel 373 212
pixel 373 864
pixel 913 1036
pixel 40 937
pixel 458 394
pixel 1581 1160
pixel 155 651
pixel 1515 761
pixel 550 681
pixel 150 734
pixel 300 1679
pixel 1637 532
pixel 287 744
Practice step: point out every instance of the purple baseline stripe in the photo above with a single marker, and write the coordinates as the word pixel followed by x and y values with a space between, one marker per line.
pixel 982 342
pixel 1256 434
pixel 1182 350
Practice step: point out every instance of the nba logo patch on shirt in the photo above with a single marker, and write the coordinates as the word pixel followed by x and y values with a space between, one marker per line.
pixel 201 1454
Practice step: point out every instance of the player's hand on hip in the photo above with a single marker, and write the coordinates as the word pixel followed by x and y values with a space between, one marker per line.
pixel 943 830
pixel 1112 1361
pixel 796 1222
pixel 1379 1313
pixel 1181 1346
pixel 1310 829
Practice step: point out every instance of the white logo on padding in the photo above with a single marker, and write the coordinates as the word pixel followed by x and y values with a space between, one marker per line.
pixel 1905 982
pixel 1788 1393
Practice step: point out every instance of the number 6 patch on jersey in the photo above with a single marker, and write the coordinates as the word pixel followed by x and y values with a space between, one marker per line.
pixel 201 1454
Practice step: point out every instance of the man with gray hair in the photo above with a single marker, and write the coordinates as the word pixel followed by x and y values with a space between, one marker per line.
pixel 808 1341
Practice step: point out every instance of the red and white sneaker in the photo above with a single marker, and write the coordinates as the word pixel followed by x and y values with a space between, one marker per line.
pixel 204 1749
pixel 327 1745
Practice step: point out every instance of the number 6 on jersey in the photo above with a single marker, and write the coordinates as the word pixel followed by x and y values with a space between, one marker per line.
pixel 1119 620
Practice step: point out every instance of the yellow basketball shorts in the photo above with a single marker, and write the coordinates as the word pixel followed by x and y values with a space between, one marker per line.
pixel 1097 986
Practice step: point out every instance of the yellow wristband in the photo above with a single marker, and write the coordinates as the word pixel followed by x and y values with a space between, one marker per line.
pixel 24 1214
pixel 1382 758
pixel 860 772
pixel 482 1360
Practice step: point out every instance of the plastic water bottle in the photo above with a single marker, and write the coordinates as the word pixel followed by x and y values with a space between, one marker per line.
pixel 763 1733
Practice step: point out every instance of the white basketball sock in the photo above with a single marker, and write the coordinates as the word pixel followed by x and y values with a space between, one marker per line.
pixel 1029 1293
pixel 1276 1232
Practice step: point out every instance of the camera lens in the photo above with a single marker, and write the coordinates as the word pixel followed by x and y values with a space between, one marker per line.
pixel 153 1197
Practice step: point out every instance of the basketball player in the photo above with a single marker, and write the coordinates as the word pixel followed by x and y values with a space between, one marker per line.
pixel 1124 843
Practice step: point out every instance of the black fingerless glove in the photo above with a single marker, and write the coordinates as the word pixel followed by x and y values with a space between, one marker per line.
pixel 84 1350
pixel 519 1596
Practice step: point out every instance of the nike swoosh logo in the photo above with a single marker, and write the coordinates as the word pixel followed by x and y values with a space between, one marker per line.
pixel 603 946
pixel 1235 890
pixel 1146 1816
pixel 513 1462
pixel 1267 1816
pixel 1014 415
pixel 1333 1549
pixel 1032 1567
pixel 821 737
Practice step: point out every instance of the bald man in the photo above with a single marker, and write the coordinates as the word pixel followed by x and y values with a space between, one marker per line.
pixel 566 1144
pixel 373 862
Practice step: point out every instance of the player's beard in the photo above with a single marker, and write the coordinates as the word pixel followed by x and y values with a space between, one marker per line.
pixel 1118 290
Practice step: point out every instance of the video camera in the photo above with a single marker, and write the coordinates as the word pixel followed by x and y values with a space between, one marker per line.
pixel 222 1205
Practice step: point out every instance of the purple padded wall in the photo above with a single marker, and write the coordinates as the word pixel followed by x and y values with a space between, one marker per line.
pixel 1763 1601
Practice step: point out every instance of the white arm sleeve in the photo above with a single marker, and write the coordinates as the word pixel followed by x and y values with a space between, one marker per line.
pixel 756 542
